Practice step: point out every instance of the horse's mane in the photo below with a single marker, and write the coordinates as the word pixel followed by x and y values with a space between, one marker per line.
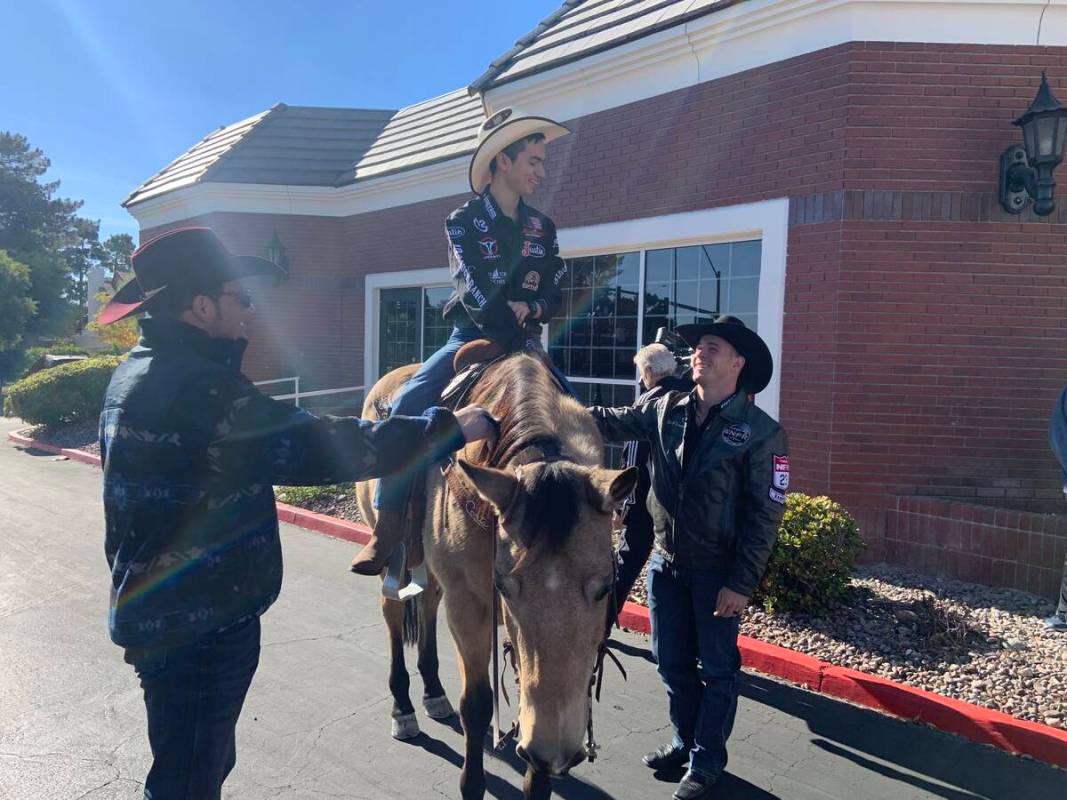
pixel 535 415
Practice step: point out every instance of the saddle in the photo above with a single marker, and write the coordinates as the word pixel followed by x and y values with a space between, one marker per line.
pixel 470 364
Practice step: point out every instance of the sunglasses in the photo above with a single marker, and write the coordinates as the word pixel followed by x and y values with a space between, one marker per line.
pixel 244 299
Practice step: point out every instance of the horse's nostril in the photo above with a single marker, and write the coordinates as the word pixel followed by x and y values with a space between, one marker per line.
pixel 532 759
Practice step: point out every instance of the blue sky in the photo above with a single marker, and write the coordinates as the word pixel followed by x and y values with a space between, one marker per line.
pixel 112 90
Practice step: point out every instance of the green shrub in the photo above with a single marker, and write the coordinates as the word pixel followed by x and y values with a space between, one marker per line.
pixel 809 570
pixel 67 393
pixel 15 363
pixel 310 495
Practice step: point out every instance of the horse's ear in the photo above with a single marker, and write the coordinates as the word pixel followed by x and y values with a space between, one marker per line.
pixel 613 485
pixel 493 485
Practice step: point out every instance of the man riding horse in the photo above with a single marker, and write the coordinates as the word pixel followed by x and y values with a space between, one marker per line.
pixel 505 263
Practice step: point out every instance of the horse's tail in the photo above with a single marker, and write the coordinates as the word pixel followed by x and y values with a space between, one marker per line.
pixel 412 620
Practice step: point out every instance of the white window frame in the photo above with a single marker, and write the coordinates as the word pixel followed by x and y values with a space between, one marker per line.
pixel 429 278
pixel 767 221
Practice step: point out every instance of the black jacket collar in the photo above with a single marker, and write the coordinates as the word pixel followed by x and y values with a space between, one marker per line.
pixel 160 333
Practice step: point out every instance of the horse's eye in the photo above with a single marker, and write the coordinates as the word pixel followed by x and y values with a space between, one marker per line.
pixel 602 593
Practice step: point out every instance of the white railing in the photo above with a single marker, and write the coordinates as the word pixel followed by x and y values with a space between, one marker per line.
pixel 296 395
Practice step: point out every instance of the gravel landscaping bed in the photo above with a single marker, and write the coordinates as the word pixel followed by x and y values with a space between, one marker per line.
pixel 967 641
pixel 77 436
pixel 341 505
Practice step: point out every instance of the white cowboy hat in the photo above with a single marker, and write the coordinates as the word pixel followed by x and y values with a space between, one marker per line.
pixel 506 126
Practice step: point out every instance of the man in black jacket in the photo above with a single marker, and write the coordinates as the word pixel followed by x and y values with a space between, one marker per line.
pixel 719 475
pixel 507 272
pixel 657 367
pixel 191 452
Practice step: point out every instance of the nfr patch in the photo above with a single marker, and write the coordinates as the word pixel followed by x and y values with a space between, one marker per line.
pixel 736 434
pixel 781 472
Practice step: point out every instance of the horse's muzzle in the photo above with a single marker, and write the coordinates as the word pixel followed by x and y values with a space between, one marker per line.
pixel 540 765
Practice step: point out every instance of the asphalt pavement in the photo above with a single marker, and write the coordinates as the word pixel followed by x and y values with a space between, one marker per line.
pixel 316 724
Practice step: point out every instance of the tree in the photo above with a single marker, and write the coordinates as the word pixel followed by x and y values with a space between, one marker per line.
pixel 16 307
pixel 31 219
pixel 115 258
pixel 121 335
pixel 81 253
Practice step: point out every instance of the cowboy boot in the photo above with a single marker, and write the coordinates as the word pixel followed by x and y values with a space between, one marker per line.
pixel 388 533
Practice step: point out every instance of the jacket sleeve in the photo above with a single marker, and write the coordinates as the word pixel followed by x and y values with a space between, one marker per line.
pixel 1057 434
pixel 260 440
pixel 628 423
pixel 484 302
pixel 555 271
pixel 764 483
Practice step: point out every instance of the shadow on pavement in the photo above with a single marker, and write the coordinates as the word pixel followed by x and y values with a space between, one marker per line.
pixel 927 758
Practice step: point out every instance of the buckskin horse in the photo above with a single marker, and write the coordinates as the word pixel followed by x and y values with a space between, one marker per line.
pixel 526 518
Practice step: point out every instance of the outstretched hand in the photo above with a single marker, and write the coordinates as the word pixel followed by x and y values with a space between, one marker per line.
pixel 476 423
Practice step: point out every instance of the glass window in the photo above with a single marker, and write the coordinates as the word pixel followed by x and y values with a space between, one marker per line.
pixel 410 325
pixel 697 283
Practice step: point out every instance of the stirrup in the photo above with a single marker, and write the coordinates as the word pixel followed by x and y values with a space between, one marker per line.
pixel 393 586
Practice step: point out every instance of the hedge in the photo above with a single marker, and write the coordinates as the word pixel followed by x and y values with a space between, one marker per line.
pixel 67 393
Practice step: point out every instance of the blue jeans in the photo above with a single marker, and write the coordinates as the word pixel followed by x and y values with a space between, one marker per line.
pixel 420 393
pixel 193 695
pixel 697 658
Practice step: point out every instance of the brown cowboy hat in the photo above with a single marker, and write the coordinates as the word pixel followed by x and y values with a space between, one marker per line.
pixel 505 127
pixel 759 364
pixel 185 258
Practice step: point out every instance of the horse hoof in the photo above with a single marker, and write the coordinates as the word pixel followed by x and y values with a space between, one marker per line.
pixel 438 707
pixel 406 726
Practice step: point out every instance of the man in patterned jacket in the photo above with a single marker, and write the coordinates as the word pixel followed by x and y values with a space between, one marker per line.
pixel 191 451
pixel 507 272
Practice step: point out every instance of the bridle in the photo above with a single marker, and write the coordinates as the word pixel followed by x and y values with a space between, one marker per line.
pixel 540 450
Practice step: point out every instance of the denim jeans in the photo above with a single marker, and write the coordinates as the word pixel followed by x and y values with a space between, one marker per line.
pixel 421 392
pixel 193 695
pixel 697 658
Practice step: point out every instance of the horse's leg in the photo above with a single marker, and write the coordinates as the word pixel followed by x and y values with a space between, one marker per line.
pixel 434 699
pixel 469 620
pixel 405 724
pixel 537 786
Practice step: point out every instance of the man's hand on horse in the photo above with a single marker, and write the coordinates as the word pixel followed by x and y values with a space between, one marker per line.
pixel 476 423
pixel 520 309
pixel 730 603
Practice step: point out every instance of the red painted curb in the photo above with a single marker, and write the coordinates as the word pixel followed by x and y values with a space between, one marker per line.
pixel 73 455
pixel 953 716
pixel 322 523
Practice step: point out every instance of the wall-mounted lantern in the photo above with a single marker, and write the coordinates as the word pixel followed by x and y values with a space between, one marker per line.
pixel 276 254
pixel 1026 170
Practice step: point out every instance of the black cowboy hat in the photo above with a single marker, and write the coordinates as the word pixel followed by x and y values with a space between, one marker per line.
pixel 759 365
pixel 185 258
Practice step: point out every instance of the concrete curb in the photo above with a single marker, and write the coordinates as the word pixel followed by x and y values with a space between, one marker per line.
pixel 953 716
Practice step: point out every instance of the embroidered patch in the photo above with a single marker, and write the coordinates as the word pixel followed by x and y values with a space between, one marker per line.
pixel 776 496
pixel 736 435
pixel 490 249
pixel 481 224
pixel 498 276
pixel 533 249
pixel 781 472
pixel 533 228
pixel 532 280
pixel 456 231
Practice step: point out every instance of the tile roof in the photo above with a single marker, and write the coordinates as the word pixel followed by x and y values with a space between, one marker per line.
pixel 580 28
pixel 306 146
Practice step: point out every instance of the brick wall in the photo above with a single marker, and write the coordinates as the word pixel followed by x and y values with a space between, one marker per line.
pixel 978 543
